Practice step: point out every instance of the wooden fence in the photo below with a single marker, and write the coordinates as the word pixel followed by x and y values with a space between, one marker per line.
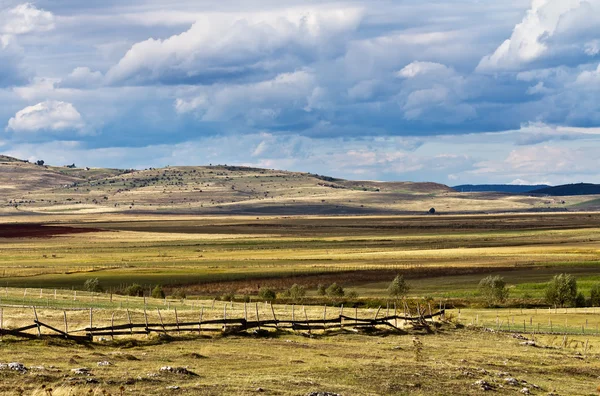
pixel 225 325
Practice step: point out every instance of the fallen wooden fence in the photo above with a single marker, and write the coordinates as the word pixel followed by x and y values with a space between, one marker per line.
pixel 231 325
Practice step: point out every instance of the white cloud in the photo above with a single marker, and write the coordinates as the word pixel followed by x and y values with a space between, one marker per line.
pixel 549 28
pixel 25 18
pixel 420 68
pixel 589 79
pixel 216 47
pixel 255 103
pixel 82 77
pixel 592 48
pixel 435 91
pixel 47 116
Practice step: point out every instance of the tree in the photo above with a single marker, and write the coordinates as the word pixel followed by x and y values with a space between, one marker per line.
pixel 295 293
pixel 158 292
pixel 321 290
pixel 595 295
pixel 493 289
pixel 432 211
pixel 135 290
pixel 39 162
pixel 562 290
pixel 267 294
pixel 335 291
pixel 398 288
pixel 93 285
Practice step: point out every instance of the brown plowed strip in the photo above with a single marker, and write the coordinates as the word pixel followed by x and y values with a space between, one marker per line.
pixel 39 230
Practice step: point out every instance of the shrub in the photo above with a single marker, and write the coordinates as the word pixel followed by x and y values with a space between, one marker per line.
pixel 179 294
pixel 580 300
pixel 493 289
pixel 322 290
pixel 134 290
pixel 230 296
pixel 595 295
pixel 295 293
pixel 335 291
pixel 398 288
pixel 158 292
pixel 93 285
pixel 352 294
pixel 266 294
pixel 562 290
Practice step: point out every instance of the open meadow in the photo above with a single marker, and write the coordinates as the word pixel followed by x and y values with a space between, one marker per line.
pixel 203 261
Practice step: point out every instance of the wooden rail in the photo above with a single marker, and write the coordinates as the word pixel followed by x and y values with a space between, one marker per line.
pixel 229 325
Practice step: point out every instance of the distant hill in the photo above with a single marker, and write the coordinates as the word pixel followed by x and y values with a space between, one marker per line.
pixel 570 190
pixel 504 188
pixel 27 188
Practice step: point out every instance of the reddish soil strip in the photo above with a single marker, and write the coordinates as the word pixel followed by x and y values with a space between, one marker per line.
pixel 39 230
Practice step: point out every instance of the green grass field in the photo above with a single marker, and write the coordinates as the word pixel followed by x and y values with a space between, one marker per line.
pixel 442 257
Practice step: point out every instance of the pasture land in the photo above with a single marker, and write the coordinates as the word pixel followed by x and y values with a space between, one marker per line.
pixel 44 261
pixel 451 359
pixel 442 256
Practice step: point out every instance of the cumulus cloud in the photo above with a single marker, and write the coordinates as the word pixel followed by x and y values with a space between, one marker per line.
pixel 25 18
pixel 551 28
pixel 257 103
pixel 11 55
pixel 216 47
pixel 434 91
pixel 47 116
pixel 82 77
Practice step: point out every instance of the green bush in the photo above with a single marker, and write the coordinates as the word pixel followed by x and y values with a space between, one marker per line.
pixel 493 289
pixel 595 295
pixel 227 297
pixel 179 294
pixel 322 290
pixel 93 285
pixel 134 290
pixel 267 294
pixel 295 293
pixel 580 300
pixel 398 288
pixel 562 290
pixel 335 291
pixel 158 292
pixel 352 295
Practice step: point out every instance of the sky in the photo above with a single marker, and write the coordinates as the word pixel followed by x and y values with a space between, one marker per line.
pixel 453 91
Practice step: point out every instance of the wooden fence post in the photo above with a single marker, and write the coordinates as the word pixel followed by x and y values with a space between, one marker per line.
pixel 324 317
pixel 130 324
pixel 91 323
pixel 275 317
pixel 38 324
pixel 146 318
pixel 112 325
pixel 200 323
pixel 307 324
pixel 177 320
pixel 341 317
pixel 257 317
pixel 66 323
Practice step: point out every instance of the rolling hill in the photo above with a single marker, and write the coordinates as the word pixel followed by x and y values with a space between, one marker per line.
pixel 27 188
pixel 567 190
pixel 505 188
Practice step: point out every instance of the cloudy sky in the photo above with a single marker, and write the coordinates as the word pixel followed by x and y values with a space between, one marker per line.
pixel 461 91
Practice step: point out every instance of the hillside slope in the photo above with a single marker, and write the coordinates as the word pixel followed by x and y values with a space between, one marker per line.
pixel 570 190
pixel 505 188
pixel 29 188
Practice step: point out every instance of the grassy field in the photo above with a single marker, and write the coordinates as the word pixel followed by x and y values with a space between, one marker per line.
pixel 42 263
pixel 442 256
pixel 450 360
